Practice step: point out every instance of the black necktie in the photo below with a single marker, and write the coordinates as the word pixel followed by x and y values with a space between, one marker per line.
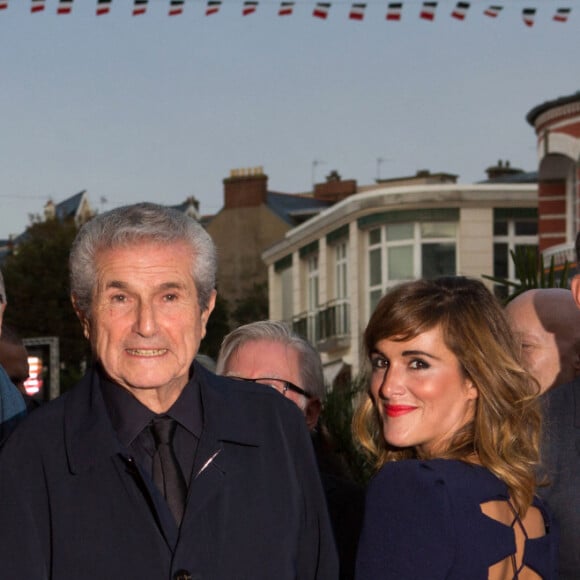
pixel 166 471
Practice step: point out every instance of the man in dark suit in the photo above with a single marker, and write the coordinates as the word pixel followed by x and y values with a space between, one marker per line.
pixel 561 454
pixel 152 467
pixel 268 353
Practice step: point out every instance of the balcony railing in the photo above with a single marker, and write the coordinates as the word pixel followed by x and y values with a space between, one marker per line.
pixel 330 321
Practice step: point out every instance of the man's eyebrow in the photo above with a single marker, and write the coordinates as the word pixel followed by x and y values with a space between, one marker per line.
pixel 117 284
pixel 120 285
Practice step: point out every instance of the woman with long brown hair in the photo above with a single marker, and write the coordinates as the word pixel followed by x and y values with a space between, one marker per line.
pixel 453 423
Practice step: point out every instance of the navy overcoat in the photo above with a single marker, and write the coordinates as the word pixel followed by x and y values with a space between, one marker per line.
pixel 73 503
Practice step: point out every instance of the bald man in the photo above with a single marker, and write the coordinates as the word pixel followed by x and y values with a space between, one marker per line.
pixel 546 322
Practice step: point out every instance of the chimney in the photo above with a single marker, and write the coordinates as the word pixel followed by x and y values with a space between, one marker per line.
pixel 501 170
pixel 49 210
pixel 245 188
pixel 335 188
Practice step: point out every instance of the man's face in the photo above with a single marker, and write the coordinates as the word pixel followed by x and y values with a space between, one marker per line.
pixel 548 358
pixel 259 359
pixel 146 323
pixel 14 359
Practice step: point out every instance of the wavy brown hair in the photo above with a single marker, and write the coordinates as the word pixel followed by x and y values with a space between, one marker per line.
pixel 504 434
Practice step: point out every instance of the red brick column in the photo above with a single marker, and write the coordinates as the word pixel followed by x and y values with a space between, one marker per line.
pixel 551 213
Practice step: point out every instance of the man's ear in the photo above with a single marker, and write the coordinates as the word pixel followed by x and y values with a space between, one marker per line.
pixel 575 288
pixel 205 314
pixel 81 316
pixel 312 412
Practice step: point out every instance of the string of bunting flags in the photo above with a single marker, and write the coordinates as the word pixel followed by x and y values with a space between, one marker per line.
pixel 321 10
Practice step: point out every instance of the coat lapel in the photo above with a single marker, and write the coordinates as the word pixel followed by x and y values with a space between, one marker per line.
pixel 224 428
pixel 91 443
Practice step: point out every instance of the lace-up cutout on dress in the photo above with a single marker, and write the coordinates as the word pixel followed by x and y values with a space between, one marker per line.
pixel 532 526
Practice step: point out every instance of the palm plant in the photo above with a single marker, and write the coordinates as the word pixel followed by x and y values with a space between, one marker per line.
pixel 530 274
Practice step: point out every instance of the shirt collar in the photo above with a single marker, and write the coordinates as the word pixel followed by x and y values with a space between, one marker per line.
pixel 129 416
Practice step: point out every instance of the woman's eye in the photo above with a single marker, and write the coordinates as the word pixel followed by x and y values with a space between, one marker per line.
pixel 379 363
pixel 419 364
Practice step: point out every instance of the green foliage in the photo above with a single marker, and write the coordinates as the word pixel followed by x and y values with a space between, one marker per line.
pixel 339 407
pixel 36 277
pixel 530 273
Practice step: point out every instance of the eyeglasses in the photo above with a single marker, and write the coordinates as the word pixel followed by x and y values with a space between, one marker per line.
pixel 280 385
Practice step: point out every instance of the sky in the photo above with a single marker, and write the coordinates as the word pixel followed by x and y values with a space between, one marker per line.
pixel 159 108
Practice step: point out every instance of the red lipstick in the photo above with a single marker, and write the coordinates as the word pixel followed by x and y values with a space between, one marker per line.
pixel 398 410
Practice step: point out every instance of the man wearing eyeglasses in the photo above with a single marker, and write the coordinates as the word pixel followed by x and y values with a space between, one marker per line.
pixel 268 353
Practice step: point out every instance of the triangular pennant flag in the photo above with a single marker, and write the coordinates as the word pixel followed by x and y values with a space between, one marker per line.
pixel 64 7
pixel 37 6
pixel 321 10
pixel 562 14
pixel 357 11
pixel 176 7
pixel 529 15
pixel 139 7
pixel 250 6
pixel 493 11
pixel 286 8
pixel 103 7
pixel 460 10
pixel 428 11
pixel 213 7
pixel 394 11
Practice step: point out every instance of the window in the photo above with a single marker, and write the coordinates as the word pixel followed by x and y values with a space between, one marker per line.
pixel 408 251
pixel 510 234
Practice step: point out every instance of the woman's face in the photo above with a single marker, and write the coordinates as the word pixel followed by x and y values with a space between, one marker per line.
pixel 421 392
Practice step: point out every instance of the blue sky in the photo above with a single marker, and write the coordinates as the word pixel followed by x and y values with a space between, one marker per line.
pixel 158 108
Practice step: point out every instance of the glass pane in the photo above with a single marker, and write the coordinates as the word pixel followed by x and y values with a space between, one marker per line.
pixel 375 267
pixel 500 228
pixel 400 263
pixel 438 230
pixel 500 260
pixel 526 228
pixel 374 298
pixel 399 232
pixel 500 292
pixel 375 237
pixel 438 260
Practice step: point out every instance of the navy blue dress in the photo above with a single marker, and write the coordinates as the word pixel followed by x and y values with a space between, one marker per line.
pixel 423 520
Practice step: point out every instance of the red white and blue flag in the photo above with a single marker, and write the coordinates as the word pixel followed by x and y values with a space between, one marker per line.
pixel 428 11
pixel 321 10
pixel 394 11
pixel 64 7
pixel 562 14
pixel 529 16
pixel 250 6
pixel 286 8
pixel 460 11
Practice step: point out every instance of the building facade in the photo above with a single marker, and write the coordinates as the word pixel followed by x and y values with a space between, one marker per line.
pixel 557 127
pixel 327 275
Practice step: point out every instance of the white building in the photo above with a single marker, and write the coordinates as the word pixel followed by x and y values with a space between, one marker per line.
pixel 327 275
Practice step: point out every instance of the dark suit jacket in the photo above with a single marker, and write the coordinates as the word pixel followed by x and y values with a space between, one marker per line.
pixel 73 503
pixel 561 454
